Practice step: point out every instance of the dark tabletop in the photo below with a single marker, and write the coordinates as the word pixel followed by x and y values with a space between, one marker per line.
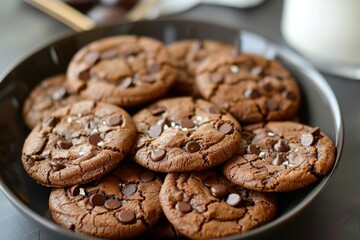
pixel 334 215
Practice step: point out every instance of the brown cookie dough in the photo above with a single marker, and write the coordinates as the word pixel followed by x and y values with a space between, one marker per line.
pixel 205 205
pixel 122 70
pixel 163 230
pixel 183 134
pixel 78 143
pixel 48 96
pixel 280 156
pixel 190 53
pixel 249 86
pixel 124 204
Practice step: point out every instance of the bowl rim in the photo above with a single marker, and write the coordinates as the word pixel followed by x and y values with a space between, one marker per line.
pixel 303 65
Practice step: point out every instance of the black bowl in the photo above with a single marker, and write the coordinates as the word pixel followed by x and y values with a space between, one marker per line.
pixel 319 108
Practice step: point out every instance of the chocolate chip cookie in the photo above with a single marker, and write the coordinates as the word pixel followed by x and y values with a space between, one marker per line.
pixel 183 134
pixel 123 204
pixel 249 86
pixel 280 156
pixel 122 70
pixel 78 143
pixel 45 98
pixel 190 53
pixel 203 205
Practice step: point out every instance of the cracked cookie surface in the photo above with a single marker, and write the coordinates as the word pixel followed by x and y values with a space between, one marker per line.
pixel 190 53
pixel 184 134
pixel 203 205
pixel 45 98
pixel 122 70
pixel 280 156
pixel 78 143
pixel 250 87
pixel 123 204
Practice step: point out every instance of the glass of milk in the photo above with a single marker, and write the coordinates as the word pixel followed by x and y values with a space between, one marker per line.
pixel 327 32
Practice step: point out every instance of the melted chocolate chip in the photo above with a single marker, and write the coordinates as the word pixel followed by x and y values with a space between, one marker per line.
pixel 266 85
pixel 125 83
pixel 52 121
pixel 75 190
pixel 129 189
pixel 288 95
pixel 183 207
pixel 154 67
pixel 64 144
pixel 218 190
pixel 278 160
pixel 94 139
pixel 209 181
pixel 271 105
pixel 214 110
pixel 217 78
pixel 256 71
pixel 156 110
pixel 186 123
pixel 57 166
pixel 226 128
pixel 114 121
pixel 157 155
pixel 112 204
pixel 155 131
pixel 234 200
pixel 281 146
pixel 307 139
pixel 252 149
pixel 147 176
pixel 84 75
pixel 126 216
pixel 251 93
pixel 315 131
pixel 192 147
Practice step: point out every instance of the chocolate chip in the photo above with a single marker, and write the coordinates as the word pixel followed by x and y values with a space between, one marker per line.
pixel 234 200
pixel 217 78
pixel 148 78
pixel 108 54
pixel 147 176
pixel 256 71
pixel 192 147
pixel 84 75
pixel 209 181
pixel 52 121
pixel 112 204
pixel 92 57
pixel 59 94
pixel 157 155
pixel 266 85
pixel 219 190
pixel 164 122
pixel 94 139
pixel 114 121
pixel 129 189
pixel 155 131
pixel 226 128
pixel 307 139
pixel 281 146
pixel 186 123
pixel 126 216
pixel 183 207
pixel 75 190
pixel 196 46
pixel 125 83
pixel 251 93
pixel 271 105
pixel 288 95
pixel 154 67
pixel 57 166
pixel 278 160
pixel 252 149
pixel 214 110
pixel 64 144
pixel 315 131
pixel 156 110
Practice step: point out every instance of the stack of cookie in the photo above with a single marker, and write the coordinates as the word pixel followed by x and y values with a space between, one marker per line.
pixel 210 155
